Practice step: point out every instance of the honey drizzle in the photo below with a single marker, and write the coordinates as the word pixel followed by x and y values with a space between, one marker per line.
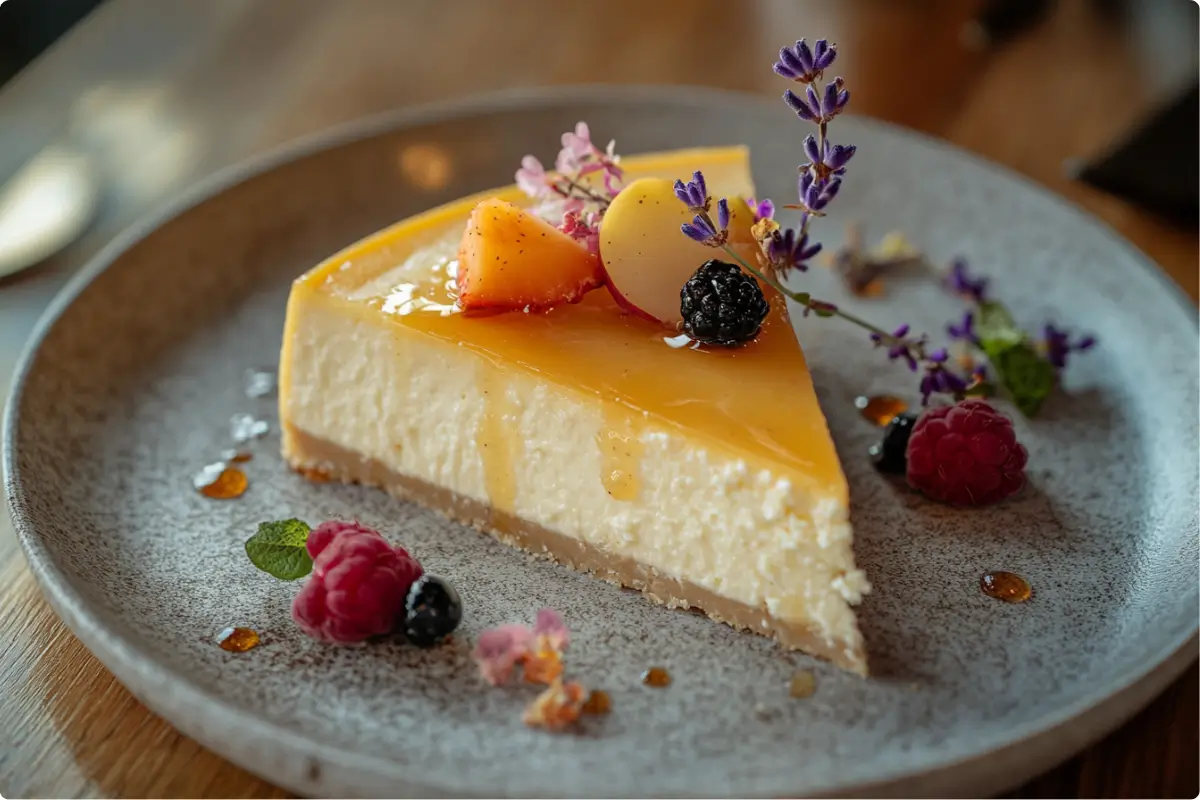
pixel 238 640
pixel 621 451
pixel 221 482
pixel 880 409
pixel 1007 586
pixel 657 677
pixel 598 702
pixel 499 443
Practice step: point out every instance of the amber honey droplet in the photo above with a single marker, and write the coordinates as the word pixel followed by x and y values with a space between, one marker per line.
pixel 657 677
pixel 598 702
pixel 237 456
pixel 1007 586
pixel 221 482
pixel 804 683
pixel 238 640
pixel 880 409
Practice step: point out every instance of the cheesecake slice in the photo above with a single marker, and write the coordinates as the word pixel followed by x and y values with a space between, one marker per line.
pixel 705 477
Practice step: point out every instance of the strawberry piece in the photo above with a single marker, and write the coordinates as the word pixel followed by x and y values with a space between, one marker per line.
pixel 511 259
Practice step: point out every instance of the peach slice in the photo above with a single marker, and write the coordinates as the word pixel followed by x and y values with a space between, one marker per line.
pixel 510 259
pixel 647 259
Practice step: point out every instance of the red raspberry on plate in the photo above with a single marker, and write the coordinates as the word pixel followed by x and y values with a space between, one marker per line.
pixel 320 536
pixel 965 455
pixel 358 584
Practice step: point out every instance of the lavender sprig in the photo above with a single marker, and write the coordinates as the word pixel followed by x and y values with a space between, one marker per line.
pixel 1058 345
pixel 787 250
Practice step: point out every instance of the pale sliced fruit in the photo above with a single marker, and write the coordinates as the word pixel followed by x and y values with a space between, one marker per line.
pixel 647 258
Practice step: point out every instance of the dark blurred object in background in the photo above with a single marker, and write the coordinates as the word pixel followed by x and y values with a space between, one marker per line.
pixel 1158 166
pixel 27 27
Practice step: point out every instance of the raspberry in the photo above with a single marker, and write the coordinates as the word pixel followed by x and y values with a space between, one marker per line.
pixel 358 584
pixel 320 536
pixel 966 455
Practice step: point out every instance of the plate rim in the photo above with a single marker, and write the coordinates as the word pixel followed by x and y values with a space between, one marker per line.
pixel 192 710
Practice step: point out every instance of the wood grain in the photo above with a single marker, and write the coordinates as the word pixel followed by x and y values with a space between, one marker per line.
pixel 231 78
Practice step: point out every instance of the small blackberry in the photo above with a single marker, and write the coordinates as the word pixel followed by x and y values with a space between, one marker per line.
pixel 722 305
pixel 889 454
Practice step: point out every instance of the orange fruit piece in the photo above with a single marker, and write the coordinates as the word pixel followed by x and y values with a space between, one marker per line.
pixel 510 259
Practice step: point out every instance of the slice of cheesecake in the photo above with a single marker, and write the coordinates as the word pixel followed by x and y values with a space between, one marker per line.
pixel 704 477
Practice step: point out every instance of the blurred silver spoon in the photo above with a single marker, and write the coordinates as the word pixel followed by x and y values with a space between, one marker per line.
pixel 45 206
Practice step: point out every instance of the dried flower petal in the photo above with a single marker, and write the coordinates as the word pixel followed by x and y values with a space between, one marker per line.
pixel 544 662
pixel 499 650
pixel 550 624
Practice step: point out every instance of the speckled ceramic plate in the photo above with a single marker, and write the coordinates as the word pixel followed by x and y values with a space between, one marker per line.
pixel 132 379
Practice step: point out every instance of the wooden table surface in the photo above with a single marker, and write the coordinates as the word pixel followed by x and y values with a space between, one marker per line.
pixel 163 92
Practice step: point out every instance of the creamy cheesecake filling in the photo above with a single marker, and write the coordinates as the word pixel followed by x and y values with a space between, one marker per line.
pixel 326 461
pixel 567 462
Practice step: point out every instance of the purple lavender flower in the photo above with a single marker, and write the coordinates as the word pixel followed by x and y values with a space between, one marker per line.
pixel 723 214
pixel 960 282
pixel 816 193
pixel 965 329
pixel 799 63
pixel 700 229
pixel 817 108
pixel 898 346
pixel 938 379
pixel 1058 345
pixel 831 162
pixel 786 251
pixel 694 193
pixel 761 209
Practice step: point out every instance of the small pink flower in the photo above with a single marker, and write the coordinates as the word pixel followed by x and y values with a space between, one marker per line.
pixel 582 228
pixel 551 625
pixel 532 177
pixel 579 141
pixel 500 650
pixel 612 182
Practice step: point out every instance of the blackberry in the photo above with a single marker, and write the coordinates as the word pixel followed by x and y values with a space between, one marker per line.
pixel 722 305
pixel 432 611
pixel 889 454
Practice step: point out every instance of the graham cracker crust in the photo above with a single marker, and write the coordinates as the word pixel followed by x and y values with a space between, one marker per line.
pixel 320 460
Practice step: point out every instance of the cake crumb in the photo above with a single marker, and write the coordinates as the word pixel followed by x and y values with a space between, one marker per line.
pixel 556 708
pixel 804 684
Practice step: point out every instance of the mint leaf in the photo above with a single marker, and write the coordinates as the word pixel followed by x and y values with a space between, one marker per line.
pixel 1027 376
pixel 278 548
pixel 995 328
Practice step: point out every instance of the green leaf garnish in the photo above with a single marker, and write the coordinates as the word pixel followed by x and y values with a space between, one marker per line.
pixel 995 327
pixel 1026 376
pixel 278 548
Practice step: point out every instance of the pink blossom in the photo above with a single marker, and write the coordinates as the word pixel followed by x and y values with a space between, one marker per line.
pixel 499 650
pixel 551 625
pixel 579 141
pixel 532 177
pixel 582 228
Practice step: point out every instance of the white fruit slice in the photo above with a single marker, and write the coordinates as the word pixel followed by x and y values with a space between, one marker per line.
pixel 647 258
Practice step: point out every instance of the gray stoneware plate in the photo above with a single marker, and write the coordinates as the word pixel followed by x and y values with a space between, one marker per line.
pixel 133 376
